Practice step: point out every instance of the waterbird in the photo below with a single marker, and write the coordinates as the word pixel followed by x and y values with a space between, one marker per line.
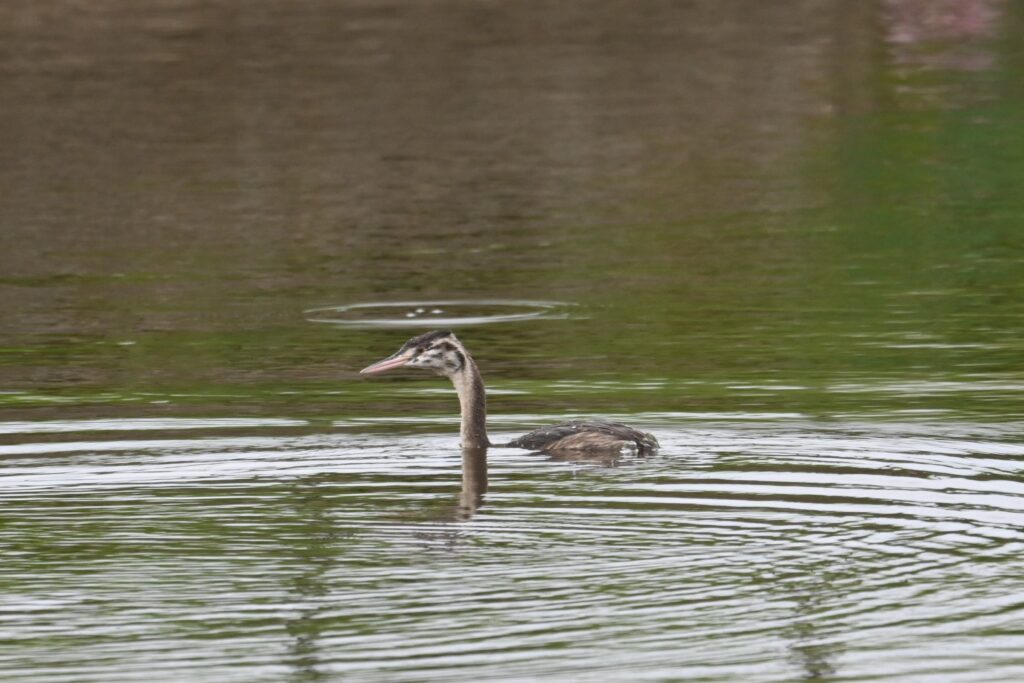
pixel 442 352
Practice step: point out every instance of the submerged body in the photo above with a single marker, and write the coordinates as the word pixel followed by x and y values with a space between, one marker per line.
pixel 443 353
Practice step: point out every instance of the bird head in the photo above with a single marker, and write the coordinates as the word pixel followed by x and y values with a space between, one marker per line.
pixel 439 351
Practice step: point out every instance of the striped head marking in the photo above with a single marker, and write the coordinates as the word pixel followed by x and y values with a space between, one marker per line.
pixel 439 351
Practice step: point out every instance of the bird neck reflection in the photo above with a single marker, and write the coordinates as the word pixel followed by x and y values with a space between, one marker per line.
pixel 474 482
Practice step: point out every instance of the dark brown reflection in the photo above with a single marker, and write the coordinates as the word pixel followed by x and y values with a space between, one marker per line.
pixel 474 482
pixel 215 168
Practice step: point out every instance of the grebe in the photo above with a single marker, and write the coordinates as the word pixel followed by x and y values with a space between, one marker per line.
pixel 443 353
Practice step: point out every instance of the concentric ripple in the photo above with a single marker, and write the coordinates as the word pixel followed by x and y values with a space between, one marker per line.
pixel 754 550
pixel 436 313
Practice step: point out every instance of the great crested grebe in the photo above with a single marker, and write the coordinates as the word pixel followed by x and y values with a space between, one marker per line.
pixel 443 353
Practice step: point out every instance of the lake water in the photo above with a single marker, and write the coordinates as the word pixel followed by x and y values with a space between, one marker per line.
pixel 784 237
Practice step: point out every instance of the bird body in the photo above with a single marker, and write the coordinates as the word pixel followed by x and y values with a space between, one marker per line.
pixel 590 435
pixel 442 352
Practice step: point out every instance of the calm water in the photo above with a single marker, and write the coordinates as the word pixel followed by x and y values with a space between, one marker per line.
pixel 785 237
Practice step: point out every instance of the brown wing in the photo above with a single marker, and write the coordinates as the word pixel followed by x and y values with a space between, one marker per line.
pixel 587 436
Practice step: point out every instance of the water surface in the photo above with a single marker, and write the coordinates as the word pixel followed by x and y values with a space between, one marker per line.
pixel 785 237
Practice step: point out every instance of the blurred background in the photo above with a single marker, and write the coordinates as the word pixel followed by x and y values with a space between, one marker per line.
pixel 790 205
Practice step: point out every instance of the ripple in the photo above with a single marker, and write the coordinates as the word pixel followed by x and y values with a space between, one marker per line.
pixel 446 313
pixel 149 424
pixel 746 550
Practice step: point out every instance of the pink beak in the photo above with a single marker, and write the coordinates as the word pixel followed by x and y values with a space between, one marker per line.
pixel 391 362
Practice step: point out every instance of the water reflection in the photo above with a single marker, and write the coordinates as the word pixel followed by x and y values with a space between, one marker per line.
pixel 474 482
pixel 944 35
pixel 742 208
pixel 812 594
pixel 942 21
pixel 316 553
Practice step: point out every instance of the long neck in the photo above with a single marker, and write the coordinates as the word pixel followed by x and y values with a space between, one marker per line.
pixel 473 402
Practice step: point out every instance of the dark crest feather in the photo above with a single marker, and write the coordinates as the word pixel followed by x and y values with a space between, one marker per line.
pixel 426 338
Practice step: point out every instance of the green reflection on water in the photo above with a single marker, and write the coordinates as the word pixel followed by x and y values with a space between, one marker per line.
pixel 862 234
